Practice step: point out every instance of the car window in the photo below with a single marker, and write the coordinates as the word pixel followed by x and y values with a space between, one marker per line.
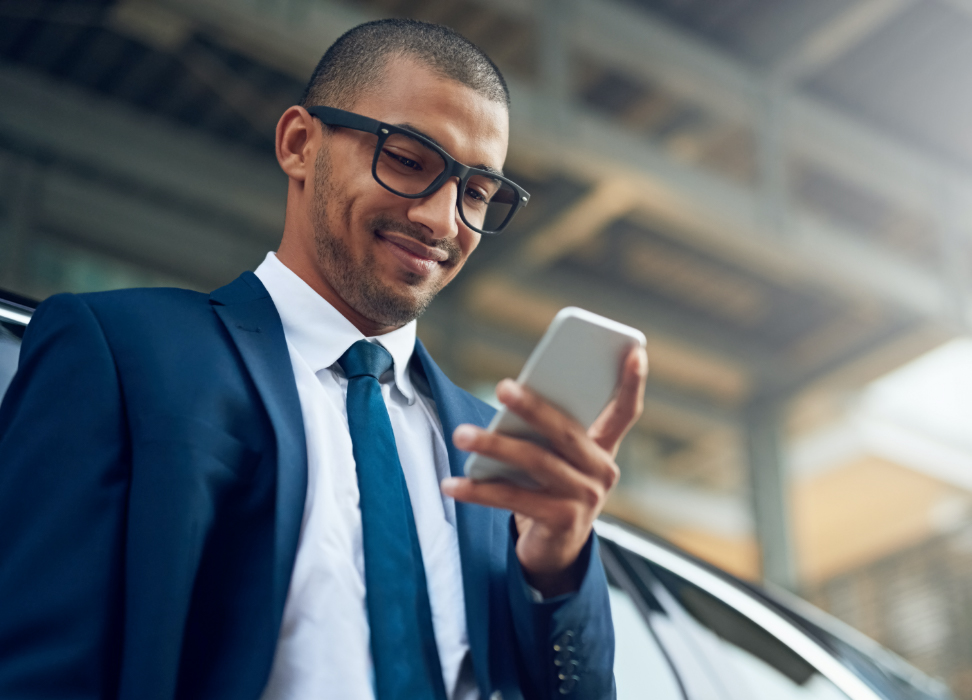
pixel 684 673
pixel 641 670
pixel 753 663
pixel 9 352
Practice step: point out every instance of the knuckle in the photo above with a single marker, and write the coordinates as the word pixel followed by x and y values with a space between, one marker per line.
pixel 546 460
pixel 613 474
pixel 570 438
pixel 591 494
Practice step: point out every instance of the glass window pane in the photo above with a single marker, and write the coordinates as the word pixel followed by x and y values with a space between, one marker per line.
pixel 641 670
pixel 9 353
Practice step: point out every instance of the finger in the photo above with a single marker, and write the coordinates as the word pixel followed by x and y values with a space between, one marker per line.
pixel 566 437
pixel 549 510
pixel 551 472
pixel 626 407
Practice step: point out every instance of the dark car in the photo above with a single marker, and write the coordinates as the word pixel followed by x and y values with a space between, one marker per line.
pixel 687 630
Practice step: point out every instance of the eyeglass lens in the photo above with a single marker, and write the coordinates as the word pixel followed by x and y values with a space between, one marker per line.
pixel 407 166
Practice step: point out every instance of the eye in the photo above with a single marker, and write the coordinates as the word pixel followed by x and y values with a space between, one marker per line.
pixel 476 195
pixel 404 160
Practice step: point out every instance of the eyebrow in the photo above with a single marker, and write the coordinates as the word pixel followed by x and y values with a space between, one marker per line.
pixel 481 166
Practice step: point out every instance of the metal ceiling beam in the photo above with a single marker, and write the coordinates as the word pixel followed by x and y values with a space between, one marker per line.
pixel 812 252
pixel 596 148
pixel 580 222
pixel 127 227
pixel 835 37
pixel 651 317
pixel 291 36
pixel 705 412
pixel 963 6
pixel 658 51
pixel 58 122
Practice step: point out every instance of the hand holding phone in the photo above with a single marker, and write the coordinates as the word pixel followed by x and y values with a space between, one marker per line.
pixel 581 363
pixel 576 367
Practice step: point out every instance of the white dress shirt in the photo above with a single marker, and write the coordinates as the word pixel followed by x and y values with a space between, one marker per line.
pixel 323 650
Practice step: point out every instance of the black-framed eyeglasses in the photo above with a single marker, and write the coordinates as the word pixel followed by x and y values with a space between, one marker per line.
pixel 410 165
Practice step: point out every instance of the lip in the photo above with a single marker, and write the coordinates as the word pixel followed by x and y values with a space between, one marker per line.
pixel 417 257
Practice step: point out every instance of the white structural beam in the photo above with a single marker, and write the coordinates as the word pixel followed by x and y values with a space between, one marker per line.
pixel 963 6
pixel 812 251
pixel 660 52
pixel 846 29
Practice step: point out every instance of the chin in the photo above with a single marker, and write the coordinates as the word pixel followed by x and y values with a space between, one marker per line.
pixel 389 307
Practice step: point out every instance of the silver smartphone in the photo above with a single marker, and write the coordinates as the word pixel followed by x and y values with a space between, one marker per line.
pixel 576 366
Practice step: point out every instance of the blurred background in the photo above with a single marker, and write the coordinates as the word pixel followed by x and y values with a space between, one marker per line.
pixel 777 192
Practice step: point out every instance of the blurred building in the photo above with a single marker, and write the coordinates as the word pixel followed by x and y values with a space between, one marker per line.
pixel 777 192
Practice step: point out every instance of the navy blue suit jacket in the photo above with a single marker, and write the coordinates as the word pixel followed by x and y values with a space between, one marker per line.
pixel 152 482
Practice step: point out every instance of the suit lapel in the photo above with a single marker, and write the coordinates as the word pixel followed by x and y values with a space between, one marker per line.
pixel 247 311
pixel 474 523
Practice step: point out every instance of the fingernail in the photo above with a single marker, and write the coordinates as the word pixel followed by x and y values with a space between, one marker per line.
pixel 463 435
pixel 509 389
pixel 449 484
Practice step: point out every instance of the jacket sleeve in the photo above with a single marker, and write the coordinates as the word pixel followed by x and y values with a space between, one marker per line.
pixel 566 643
pixel 63 486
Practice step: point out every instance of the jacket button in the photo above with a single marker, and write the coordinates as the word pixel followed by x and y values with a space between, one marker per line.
pixel 563 642
pixel 567 685
pixel 496 695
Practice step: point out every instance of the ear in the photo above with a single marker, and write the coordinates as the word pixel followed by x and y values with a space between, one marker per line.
pixel 296 142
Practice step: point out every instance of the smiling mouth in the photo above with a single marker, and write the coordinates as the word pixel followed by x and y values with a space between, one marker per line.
pixel 419 260
pixel 415 248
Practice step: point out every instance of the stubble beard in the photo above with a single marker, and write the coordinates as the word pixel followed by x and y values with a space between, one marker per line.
pixel 358 282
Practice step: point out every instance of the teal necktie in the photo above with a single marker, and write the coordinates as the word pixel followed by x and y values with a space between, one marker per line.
pixel 399 615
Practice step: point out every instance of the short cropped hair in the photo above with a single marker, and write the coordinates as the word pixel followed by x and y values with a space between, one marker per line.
pixel 358 58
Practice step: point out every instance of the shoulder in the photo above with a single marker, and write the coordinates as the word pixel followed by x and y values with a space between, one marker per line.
pixel 144 301
pixel 121 301
pixel 123 318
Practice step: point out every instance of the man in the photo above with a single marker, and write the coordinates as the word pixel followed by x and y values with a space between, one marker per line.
pixel 237 495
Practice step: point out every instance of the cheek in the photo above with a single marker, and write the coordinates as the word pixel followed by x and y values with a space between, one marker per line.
pixel 468 241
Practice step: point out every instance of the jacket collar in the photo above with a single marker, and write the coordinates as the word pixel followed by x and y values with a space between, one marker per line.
pixel 320 333
pixel 247 311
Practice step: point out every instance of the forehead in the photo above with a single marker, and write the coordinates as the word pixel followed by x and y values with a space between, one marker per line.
pixel 472 128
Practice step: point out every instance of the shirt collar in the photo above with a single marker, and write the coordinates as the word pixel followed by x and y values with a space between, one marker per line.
pixel 320 333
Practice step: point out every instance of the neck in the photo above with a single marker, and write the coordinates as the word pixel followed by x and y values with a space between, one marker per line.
pixel 310 274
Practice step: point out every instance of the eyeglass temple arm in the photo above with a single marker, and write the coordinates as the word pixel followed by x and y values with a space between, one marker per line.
pixel 332 116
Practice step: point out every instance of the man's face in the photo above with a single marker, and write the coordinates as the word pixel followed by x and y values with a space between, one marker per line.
pixel 387 256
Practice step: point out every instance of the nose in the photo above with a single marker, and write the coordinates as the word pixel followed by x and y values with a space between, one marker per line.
pixel 438 212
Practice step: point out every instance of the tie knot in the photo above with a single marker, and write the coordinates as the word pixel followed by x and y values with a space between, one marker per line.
pixel 364 358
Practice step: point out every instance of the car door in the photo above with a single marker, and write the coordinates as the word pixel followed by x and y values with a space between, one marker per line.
pixel 13 320
pixel 721 642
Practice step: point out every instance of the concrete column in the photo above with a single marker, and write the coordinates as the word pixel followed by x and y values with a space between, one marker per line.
pixel 954 246
pixel 770 489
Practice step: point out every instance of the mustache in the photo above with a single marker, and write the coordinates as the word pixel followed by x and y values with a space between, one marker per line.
pixel 418 233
